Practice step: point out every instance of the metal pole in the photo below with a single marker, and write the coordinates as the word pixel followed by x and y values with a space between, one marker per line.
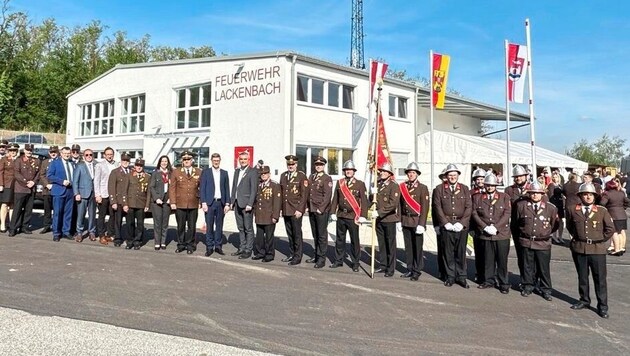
pixel 431 119
pixel 532 128
pixel 375 173
pixel 508 168
pixel 368 172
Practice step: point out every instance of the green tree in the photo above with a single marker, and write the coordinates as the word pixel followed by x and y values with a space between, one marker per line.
pixel 604 150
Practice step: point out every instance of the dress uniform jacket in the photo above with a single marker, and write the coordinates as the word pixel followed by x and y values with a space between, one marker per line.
pixel 7 176
pixel 492 209
pixel 320 192
pixel 452 206
pixel 184 190
pixel 570 191
pixel 590 233
pixel 295 192
pixel 420 193
pixel 388 201
pixel 43 180
pixel 117 185
pixel 25 171
pixel 616 202
pixel 535 228
pixel 137 192
pixel 268 203
pixel 342 207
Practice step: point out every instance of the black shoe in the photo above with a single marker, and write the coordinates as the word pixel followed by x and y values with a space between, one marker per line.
pixel 163 247
pixel 128 246
pixel 11 233
pixel 245 255
pixel 336 265
pixel 27 231
pixel 485 286
pixel 287 259
pixel 415 277
pixel 526 293
pixel 448 283
pixel 295 262
pixel 355 268
pixel 117 244
pixel 267 259
pixel 68 237
pixel 257 257
pixel 178 250
pixel 547 297
pixel 209 253
pixel 389 274
pixel 463 284
pixel 45 230
pixel 319 265
pixel 603 314
pixel 311 260
pixel 237 253
pixel 3 231
pixel 505 290
pixel 406 275
pixel 579 305
pixel 219 251
pixel 380 270
pixel 190 252
pixel 136 247
pixel 56 239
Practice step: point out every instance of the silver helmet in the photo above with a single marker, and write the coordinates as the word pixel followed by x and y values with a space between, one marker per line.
pixel 413 166
pixel 536 187
pixel 479 172
pixel 587 188
pixel 490 179
pixel 387 168
pixel 349 164
pixel 452 168
pixel 519 170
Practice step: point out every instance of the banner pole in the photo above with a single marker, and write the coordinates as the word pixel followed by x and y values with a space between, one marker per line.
pixel 432 148
pixel 375 173
pixel 508 168
pixel 530 75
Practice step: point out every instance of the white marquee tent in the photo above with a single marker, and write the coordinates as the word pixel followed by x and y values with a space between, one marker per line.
pixel 466 150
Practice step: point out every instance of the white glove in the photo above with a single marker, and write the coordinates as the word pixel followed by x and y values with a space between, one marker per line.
pixel 333 217
pixel 457 227
pixel 398 226
pixel 449 227
pixel 374 214
pixel 490 230
pixel 362 220
pixel 419 230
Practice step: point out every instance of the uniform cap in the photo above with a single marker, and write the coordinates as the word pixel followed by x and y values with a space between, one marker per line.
pixel 186 154
pixel 76 147
pixel 29 147
pixel 490 179
pixel 320 160
pixel 53 149
pixel 291 159
pixel 518 171
pixel 349 164
pixel 413 166
pixel 536 187
pixel 588 173
pixel 4 143
pixel 139 162
pixel 587 188
pixel 452 168
pixel 386 167
pixel 14 147
pixel 265 169
pixel 125 157
pixel 479 172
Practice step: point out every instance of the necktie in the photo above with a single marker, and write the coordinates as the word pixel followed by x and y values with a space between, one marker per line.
pixel 188 172
pixel 69 171
pixel 91 168
pixel 586 211
pixel 536 207
pixel 452 188
pixel 126 171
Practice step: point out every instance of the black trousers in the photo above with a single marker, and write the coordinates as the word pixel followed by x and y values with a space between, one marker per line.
pixel 536 268
pixel 413 250
pixel 293 226
pixel 135 226
pixel 265 241
pixel 454 254
pixel 495 262
pixel 47 210
pixel 519 252
pixel 597 265
pixel 22 211
pixel 386 234
pixel 479 246
pixel 118 229
pixel 104 208
pixel 343 226
pixel 440 254
pixel 319 224
pixel 186 227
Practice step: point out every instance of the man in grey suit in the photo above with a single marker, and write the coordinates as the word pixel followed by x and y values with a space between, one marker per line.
pixel 83 190
pixel 244 189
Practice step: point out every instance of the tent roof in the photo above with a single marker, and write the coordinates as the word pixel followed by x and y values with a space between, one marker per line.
pixel 459 148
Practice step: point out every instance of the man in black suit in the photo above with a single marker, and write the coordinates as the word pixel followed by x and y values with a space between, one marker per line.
pixel 244 189
pixel 215 202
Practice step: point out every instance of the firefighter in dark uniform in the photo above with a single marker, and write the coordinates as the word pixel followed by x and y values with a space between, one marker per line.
pixel 183 194
pixel 266 214
pixel 7 181
pixel 587 177
pixel 491 215
pixel 26 172
pixel 436 228
pixel 53 151
pixel 116 185
pixel 348 208
pixel 295 191
pixel 136 204
pixel 414 208
pixel 453 207
pixel 536 221
pixel 320 194
pixel 516 192
pixel 387 216
pixel 590 226
pixel 477 187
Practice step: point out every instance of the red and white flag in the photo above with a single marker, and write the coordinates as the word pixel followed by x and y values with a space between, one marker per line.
pixel 377 72
pixel 517 71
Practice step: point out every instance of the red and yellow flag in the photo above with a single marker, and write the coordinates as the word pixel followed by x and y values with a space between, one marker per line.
pixel 439 79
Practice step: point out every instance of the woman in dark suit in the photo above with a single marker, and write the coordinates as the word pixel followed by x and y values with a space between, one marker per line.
pixel 160 207
pixel 616 201
pixel 554 192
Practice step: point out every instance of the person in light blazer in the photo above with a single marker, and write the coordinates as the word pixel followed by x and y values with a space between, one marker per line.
pixel 215 202
pixel 83 189
pixel 244 189
pixel 160 204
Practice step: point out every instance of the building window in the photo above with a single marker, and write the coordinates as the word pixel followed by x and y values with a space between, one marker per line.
pixel 201 159
pixel 132 114
pixel 400 162
pixel 397 106
pixel 335 156
pixel 193 107
pixel 97 118
pixel 323 92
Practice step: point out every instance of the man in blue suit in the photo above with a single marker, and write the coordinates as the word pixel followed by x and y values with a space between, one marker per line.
pixel 83 190
pixel 215 202
pixel 59 175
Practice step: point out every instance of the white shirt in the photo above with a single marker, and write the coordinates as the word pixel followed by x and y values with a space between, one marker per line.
pixel 216 175
pixel 242 172
pixel 590 209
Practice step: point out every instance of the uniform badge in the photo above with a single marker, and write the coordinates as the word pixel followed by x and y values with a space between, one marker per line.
pixel 541 218
pixel 330 184
pixel 594 224
pixel 306 183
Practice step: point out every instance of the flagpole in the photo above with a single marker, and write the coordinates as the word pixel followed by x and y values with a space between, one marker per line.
pixel 532 128
pixel 374 173
pixel 508 168
pixel 368 172
pixel 431 118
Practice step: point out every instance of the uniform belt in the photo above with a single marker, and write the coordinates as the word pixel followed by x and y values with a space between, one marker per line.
pixel 534 238
pixel 346 210
pixel 411 214
pixel 217 199
pixel 590 242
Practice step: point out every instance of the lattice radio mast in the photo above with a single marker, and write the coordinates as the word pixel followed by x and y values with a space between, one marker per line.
pixel 356 36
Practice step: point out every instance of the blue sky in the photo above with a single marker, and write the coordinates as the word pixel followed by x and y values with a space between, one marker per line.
pixel 579 48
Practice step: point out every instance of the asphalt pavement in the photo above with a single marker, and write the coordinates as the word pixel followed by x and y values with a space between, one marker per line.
pixel 280 309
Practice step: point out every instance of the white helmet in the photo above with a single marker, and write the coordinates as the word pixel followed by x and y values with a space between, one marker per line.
pixel 536 187
pixel 413 166
pixel 387 168
pixel 490 179
pixel 587 188
pixel 452 168
pixel 479 172
pixel 349 165
pixel 519 170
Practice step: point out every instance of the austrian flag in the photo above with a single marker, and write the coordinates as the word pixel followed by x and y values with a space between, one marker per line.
pixel 517 71
pixel 377 73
